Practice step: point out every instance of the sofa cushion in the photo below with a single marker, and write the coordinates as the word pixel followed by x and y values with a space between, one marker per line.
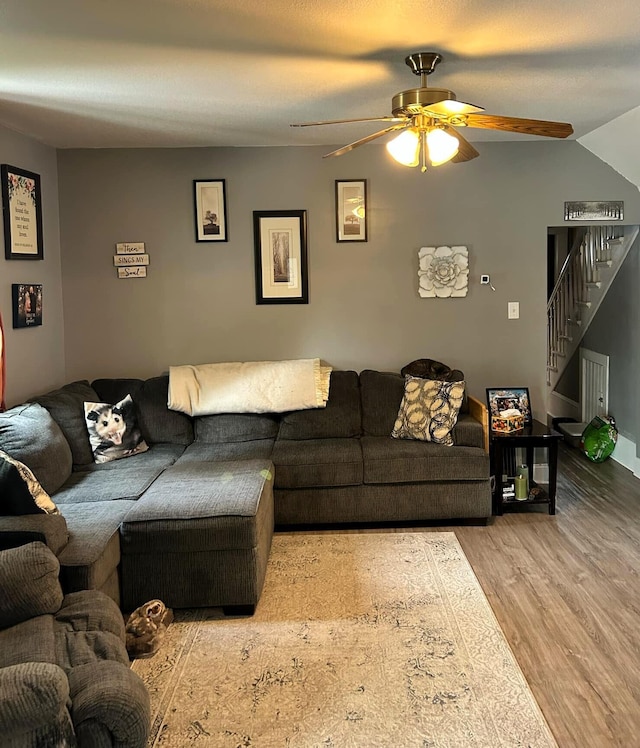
pixel 93 551
pixel 468 432
pixel 235 427
pixel 114 390
pixel 259 449
pixel 340 418
pixel 113 430
pixel 29 434
pixel 317 463
pixel 381 393
pixel 20 492
pixel 29 583
pixel 198 507
pixel 157 423
pixel 33 705
pixel 51 529
pixel 121 479
pixel 33 640
pixel 66 406
pixel 429 410
pixel 388 460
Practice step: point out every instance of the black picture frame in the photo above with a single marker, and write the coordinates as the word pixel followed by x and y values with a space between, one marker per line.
pixel 280 238
pixel 22 214
pixel 27 304
pixel 500 399
pixel 210 210
pixel 351 210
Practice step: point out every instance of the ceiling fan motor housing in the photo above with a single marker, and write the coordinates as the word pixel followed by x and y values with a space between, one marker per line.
pixel 412 101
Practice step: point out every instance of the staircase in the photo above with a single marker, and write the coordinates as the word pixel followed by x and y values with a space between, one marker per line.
pixel 593 262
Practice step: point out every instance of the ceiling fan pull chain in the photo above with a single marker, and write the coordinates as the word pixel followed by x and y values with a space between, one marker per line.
pixel 423 137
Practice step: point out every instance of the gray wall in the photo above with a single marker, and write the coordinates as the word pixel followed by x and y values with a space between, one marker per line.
pixel 34 356
pixel 198 303
pixel 614 333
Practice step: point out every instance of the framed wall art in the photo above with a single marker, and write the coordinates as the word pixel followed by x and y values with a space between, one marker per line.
pixel 594 210
pixel 281 256
pixel 27 304
pixel 210 210
pixel 22 212
pixel 351 210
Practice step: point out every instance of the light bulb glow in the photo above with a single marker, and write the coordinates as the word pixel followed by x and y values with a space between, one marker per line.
pixel 405 148
pixel 442 146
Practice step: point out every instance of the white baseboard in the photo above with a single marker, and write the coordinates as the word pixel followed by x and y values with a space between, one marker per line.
pixel 625 454
pixel 560 406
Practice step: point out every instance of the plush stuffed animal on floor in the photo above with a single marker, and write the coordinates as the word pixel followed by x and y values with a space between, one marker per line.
pixel 145 629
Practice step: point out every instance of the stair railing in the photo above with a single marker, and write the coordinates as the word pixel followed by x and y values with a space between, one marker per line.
pixel 570 296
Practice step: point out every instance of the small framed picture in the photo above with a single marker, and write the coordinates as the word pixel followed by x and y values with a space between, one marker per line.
pixel 210 210
pixel 351 210
pixel 27 304
pixel 281 256
pixel 22 209
pixel 509 408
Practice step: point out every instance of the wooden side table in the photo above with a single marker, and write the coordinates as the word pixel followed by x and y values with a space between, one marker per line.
pixel 534 435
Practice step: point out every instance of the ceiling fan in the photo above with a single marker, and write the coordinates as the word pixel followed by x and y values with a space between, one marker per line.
pixel 429 121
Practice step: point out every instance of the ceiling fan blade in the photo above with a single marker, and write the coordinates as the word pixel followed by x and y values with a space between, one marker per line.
pixel 465 151
pixel 516 124
pixel 367 139
pixel 448 107
pixel 346 121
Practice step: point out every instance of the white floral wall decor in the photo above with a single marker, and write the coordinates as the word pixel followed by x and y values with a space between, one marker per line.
pixel 443 272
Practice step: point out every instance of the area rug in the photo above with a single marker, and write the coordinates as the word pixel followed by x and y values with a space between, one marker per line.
pixel 359 640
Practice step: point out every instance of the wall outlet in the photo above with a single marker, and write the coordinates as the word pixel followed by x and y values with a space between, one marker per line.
pixel 484 280
pixel 513 310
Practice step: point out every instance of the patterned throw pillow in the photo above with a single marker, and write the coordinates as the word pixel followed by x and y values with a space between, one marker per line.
pixel 429 410
pixel 113 430
pixel 20 492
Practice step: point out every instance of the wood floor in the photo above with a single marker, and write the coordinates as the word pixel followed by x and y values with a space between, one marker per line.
pixel 566 592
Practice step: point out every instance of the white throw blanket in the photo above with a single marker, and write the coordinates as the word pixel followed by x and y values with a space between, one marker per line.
pixel 249 387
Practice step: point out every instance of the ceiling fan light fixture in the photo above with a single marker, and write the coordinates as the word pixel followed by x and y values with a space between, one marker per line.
pixel 437 146
pixel 405 148
pixel 442 146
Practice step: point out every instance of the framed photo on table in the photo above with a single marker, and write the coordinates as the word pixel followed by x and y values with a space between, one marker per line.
pixel 22 213
pixel 351 210
pixel 211 210
pixel 281 256
pixel 508 406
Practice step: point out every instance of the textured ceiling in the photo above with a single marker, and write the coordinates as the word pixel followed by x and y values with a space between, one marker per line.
pixel 131 73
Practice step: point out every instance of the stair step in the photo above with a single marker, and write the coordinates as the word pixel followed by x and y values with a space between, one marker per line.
pixel 568 338
pixel 576 322
pixel 558 353
pixel 552 368
pixel 604 263
pixel 594 284
pixel 585 304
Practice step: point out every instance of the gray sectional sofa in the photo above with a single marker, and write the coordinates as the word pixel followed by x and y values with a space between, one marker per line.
pixel 190 521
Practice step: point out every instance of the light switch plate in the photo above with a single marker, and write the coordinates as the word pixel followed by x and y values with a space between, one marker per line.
pixel 513 310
